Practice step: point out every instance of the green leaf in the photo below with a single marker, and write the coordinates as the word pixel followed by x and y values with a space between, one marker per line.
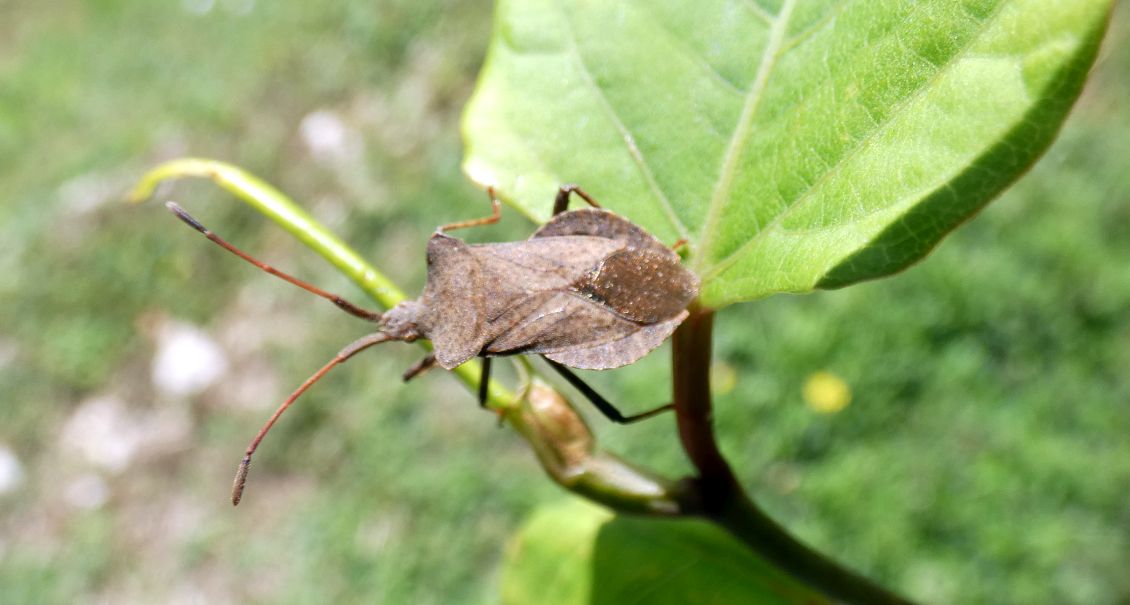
pixel 796 145
pixel 573 552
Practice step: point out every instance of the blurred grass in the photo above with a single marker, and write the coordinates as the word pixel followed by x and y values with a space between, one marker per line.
pixel 983 457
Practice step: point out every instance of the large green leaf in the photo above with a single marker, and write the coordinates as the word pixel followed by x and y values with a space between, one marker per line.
pixel 798 144
pixel 574 553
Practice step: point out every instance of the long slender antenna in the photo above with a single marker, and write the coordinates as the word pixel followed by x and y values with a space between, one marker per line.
pixel 343 304
pixel 349 351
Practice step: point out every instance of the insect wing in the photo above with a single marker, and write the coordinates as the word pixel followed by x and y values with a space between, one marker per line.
pixel 642 285
pixel 572 330
pixel 475 292
pixel 556 320
pixel 589 289
pixel 620 352
pixel 646 282
pixel 536 266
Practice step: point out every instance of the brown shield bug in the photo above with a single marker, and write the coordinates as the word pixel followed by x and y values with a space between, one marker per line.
pixel 588 290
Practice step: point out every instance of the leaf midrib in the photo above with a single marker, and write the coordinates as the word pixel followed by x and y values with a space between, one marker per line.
pixel 625 134
pixel 780 25
pixel 864 142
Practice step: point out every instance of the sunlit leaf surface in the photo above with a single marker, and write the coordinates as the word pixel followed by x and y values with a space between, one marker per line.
pixel 795 144
pixel 573 552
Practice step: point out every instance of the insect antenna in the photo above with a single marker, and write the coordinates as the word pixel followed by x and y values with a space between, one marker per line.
pixel 342 304
pixel 343 356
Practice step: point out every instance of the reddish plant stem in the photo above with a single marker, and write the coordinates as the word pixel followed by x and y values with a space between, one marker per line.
pixel 722 499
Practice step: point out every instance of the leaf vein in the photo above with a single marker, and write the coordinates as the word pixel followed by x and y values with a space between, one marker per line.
pixel 862 144
pixel 745 120
pixel 761 13
pixel 808 32
pixel 625 135
pixel 690 53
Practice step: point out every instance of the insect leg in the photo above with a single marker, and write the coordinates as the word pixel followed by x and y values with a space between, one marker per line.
pixel 561 203
pixel 495 214
pixel 484 383
pixel 342 304
pixel 610 412
pixel 349 351
pixel 425 364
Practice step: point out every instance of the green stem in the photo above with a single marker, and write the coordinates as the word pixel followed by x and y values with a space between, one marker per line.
pixel 722 499
pixel 276 206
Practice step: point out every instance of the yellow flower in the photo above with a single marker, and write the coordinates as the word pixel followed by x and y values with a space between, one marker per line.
pixel 723 378
pixel 826 393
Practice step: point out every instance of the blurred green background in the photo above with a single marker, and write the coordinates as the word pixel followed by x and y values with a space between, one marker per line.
pixel 984 456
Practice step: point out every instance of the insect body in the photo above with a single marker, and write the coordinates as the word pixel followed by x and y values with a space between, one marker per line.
pixel 588 290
